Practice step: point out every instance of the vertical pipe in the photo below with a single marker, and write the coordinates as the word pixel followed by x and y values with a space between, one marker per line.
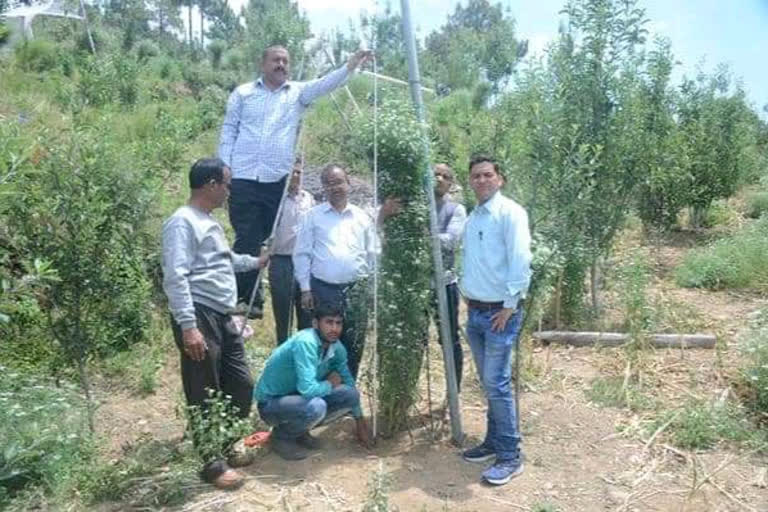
pixel 414 81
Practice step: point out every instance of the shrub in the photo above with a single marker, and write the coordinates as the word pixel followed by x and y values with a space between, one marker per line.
pixel 37 55
pixel 234 60
pixel 198 77
pixel 737 261
pixel 754 372
pixel 699 426
pixel 216 427
pixel 85 212
pixel 406 264
pixel 127 77
pixel 149 474
pixel 5 33
pixel 96 86
pixel 44 442
pixel 757 204
pixel 216 50
pixel 146 49
pixel 211 107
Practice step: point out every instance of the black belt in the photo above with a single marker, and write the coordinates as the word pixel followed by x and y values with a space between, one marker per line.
pixel 484 306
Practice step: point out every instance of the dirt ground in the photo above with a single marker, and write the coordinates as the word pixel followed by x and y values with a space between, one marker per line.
pixel 579 456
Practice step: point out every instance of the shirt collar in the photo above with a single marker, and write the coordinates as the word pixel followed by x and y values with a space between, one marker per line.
pixel 492 204
pixel 331 347
pixel 329 207
pixel 260 83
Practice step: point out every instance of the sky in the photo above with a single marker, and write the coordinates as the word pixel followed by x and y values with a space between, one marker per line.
pixel 709 31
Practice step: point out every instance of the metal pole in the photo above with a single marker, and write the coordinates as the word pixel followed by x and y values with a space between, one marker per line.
pixel 429 185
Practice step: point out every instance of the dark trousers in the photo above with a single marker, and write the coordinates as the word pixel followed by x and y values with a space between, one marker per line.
pixel 252 209
pixel 286 296
pixel 452 291
pixel 352 299
pixel 224 368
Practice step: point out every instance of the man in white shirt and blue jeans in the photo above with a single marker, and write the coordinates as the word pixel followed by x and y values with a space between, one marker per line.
pixel 496 275
pixel 257 142
pixel 334 254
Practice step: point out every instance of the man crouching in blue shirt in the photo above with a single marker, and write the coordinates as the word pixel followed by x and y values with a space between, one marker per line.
pixel 306 383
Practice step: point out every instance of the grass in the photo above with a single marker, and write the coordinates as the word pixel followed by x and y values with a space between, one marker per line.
pixel 136 368
pixel 700 425
pixel 45 442
pixel 611 392
pixel 737 261
pixel 757 204
pixel 753 374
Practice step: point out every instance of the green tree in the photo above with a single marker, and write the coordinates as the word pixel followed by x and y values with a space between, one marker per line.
pixel 385 27
pixel 167 15
pixel 223 23
pixel 271 22
pixel 405 268
pixel 476 45
pixel 717 129
pixel 664 178
pixel 84 210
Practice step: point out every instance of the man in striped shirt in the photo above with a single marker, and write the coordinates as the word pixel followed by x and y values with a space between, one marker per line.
pixel 257 142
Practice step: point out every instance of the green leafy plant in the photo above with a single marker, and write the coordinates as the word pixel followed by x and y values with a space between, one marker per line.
pixel 754 371
pixel 405 269
pixel 216 426
pixel 5 33
pixel 737 261
pixel 699 426
pixel 37 55
pixel 618 392
pixel 378 492
pixel 84 212
pixel 45 441
pixel 757 204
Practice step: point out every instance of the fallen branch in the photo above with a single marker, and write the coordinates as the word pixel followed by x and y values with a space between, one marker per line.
pixel 615 339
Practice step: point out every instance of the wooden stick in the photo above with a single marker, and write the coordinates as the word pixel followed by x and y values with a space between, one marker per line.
pixel 615 339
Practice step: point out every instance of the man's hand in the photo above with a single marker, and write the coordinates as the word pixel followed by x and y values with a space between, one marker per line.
pixel 263 260
pixel 335 379
pixel 359 58
pixel 306 300
pixel 390 207
pixel 500 318
pixel 361 431
pixel 194 344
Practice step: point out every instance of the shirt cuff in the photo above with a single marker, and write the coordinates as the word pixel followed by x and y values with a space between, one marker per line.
pixel 188 324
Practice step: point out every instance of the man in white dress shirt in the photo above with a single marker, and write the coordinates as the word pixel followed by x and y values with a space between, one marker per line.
pixel 283 286
pixel 257 141
pixel 334 255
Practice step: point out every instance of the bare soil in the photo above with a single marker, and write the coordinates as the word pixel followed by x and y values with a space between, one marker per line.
pixel 579 456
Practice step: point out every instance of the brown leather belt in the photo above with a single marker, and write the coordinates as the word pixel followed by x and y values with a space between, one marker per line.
pixel 486 306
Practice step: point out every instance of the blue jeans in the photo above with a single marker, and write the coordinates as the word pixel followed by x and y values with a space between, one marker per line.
pixel 492 352
pixel 292 416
